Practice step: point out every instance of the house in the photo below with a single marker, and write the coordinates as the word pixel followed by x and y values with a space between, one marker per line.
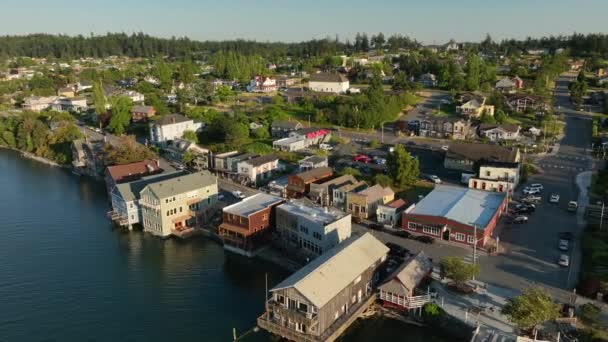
pixel 262 84
pixel 322 193
pixel 428 80
pixel 456 214
pixel 311 230
pixel 312 162
pixel 290 144
pixel 171 127
pixel 218 82
pixel 118 174
pixel 178 205
pixel 302 138
pixel 76 104
pixel 363 204
pixel 314 303
pixel 463 156
pixel 287 81
pixel 398 290
pixel 328 83
pixel 298 185
pixel 142 113
pixel 178 148
pixel 525 102
pixel 246 224
pixel 389 214
pixel 38 103
pixel 340 193
pixel 256 170
pixel 126 211
pixel 83 85
pixel 473 105
pixel 509 84
pixel 220 161
pixel 281 129
pixel 496 176
pixel 66 92
pixel 231 166
pixel 134 96
pixel 450 128
pixel 499 132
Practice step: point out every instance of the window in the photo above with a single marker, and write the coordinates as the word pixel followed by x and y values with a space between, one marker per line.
pixel 433 230
pixel 488 173
pixel 471 239
pixel 302 307
pixel 460 237
pixel 304 229
pixel 280 299
pixel 265 217
pixel 317 236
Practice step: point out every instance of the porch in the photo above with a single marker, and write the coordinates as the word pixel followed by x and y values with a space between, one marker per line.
pixel 406 302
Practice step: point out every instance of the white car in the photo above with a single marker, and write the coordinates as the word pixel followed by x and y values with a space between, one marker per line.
pixel 434 179
pixel 326 147
pixel 554 198
pixel 445 147
pixel 536 186
pixel 531 191
pixel 238 194
pixel 520 219
pixel 563 245
pixel 564 260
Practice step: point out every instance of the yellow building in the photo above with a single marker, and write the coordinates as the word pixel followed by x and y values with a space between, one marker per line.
pixel 363 204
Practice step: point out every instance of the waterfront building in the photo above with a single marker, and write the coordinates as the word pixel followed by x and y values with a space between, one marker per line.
pixel 400 289
pixel 321 299
pixel 176 206
pixel 130 172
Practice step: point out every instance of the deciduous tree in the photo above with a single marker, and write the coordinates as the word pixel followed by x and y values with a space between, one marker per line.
pixel 402 168
pixel 531 308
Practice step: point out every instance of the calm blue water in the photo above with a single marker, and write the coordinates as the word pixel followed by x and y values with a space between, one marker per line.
pixel 65 275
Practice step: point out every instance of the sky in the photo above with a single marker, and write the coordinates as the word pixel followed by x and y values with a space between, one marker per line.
pixel 428 21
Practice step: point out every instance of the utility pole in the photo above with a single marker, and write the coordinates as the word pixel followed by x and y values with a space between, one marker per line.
pixel 475 244
pixel 602 216
pixel 382 134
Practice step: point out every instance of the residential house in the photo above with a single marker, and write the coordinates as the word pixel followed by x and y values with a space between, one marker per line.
pixel 38 103
pixel 450 128
pixel 428 80
pixel 171 127
pixel 126 211
pixel 262 84
pixel 178 205
pixel 177 149
pixel 322 193
pixel 398 291
pixel 66 92
pixel 246 224
pixel 281 129
pixel 452 213
pixel 256 170
pixel 328 83
pixel 509 84
pixel 364 203
pixel 389 214
pixel 142 113
pixel 473 105
pixel 76 104
pixel 499 132
pixel 287 81
pixel 314 303
pixel 340 193
pixel 524 102
pixel 463 156
pixel 311 230
pixel 125 173
pixel 302 138
pixel 220 163
pixel 298 185
pixel 312 162
pixel 83 85
pixel 134 96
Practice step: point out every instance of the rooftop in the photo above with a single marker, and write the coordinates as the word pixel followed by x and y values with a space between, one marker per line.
pixel 262 160
pixel 313 159
pixel 171 119
pixel 179 185
pixel 252 204
pixel 286 124
pixel 324 277
pixel 315 174
pixel 505 127
pixel 410 273
pixel 485 152
pixel 327 77
pixel 148 166
pixel 377 191
pixel 130 191
pixel 463 205
pixel 321 215
pixel 398 203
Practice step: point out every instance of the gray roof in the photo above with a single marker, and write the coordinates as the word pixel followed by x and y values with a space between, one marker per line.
pixel 252 204
pixel 328 77
pixel 175 186
pixel 463 205
pixel 490 153
pixel 171 119
pixel 293 125
pixel 130 191
pixel 314 159
pixel 262 160
pixel 323 216
pixel 376 191
pixel 408 275
pixel 324 277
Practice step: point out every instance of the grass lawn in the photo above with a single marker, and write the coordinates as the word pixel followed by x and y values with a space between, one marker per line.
pixel 411 193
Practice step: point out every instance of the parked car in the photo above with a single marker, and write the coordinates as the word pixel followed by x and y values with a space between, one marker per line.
pixel 445 147
pixel 564 260
pixel 532 199
pixel 425 239
pixel 535 186
pixel 362 158
pixel 402 233
pixel 563 244
pixel 326 147
pixel 531 191
pixel 434 179
pixel 238 194
pixel 376 226
pixel 554 198
pixel 524 209
pixel 397 250
pixel 520 219
pixel 572 206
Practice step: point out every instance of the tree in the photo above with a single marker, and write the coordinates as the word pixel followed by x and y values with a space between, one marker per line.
pixel 577 91
pixel 402 168
pixel 486 118
pixel 99 99
pixel 162 71
pixel 188 157
pixel 121 114
pixel 457 270
pixel 378 41
pixel 382 180
pixel 373 143
pixel 237 134
pixel 473 71
pixel 531 308
pixel 191 136
pixel 500 116
pixel 125 152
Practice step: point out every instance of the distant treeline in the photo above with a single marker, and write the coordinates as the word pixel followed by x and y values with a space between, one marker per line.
pixel 143 45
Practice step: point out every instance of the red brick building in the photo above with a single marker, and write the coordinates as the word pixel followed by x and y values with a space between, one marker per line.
pixel 142 113
pixel 455 213
pixel 245 224
pixel 299 185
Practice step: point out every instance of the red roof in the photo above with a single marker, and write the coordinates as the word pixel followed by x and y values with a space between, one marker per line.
pixel 142 168
pixel 398 203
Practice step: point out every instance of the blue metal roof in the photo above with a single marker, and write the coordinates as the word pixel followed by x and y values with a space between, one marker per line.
pixel 463 205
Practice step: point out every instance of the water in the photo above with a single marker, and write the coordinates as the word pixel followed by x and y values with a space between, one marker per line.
pixel 66 275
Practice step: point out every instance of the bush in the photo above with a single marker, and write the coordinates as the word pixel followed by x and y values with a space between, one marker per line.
pixel 431 309
pixel 589 313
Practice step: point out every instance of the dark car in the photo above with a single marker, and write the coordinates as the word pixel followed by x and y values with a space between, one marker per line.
pixel 425 239
pixel 402 233
pixel 376 226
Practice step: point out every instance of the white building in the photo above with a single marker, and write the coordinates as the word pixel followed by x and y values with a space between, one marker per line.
pixel 312 229
pixel 495 132
pixel 134 96
pixel 171 127
pixel 254 170
pixel 496 177
pixel 261 84
pixel 389 214
pixel 328 83
pixel 70 104
pixel 38 103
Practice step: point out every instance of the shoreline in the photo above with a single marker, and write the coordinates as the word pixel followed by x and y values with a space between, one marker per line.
pixel 34 157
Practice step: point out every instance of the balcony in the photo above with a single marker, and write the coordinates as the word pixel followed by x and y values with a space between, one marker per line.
pixel 298 315
pixel 117 218
pixel 149 205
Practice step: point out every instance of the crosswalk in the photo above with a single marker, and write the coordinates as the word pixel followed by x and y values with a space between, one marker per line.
pixel 563 167
pixel 567 157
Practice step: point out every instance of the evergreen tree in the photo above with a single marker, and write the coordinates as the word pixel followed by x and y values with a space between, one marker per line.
pixel 402 168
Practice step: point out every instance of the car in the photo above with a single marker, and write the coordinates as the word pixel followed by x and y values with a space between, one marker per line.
pixel 380 161
pixel 98 130
pixel 326 147
pixel 376 226
pixel 402 233
pixel 180 167
pixel 531 199
pixel 531 191
pixel 566 235
pixel 425 239
pixel 238 194
pixel 362 158
pixel 535 186
pixel 564 260
pixel 220 197
pixel 524 209
pixel 520 219
pixel 445 101
pixel 434 179
pixel 554 198
pixel 572 206
pixel 445 147
pixel 563 244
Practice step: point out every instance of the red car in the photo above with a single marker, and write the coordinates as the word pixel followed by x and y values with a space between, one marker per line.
pixel 362 158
